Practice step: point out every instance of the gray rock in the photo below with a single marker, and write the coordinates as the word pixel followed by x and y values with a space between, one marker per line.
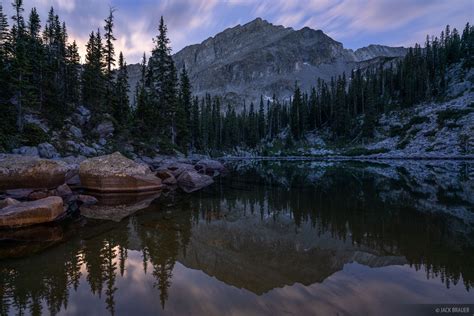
pixel 63 190
pixel 72 146
pixel 75 132
pixel 87 151
pixel 103 142
pixel 80 149
pixel 38 121
pixel 105 129
pixel 82 115
pixel 210 167
pixel 191 181
pixel 46 150
pixel 83 111
pixel 26 150
pixel 166 177
pixel 178 168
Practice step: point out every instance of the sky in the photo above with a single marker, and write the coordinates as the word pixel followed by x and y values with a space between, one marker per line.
pixel 355 23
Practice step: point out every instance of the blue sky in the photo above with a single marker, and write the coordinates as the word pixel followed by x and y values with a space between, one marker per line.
pixel 355 23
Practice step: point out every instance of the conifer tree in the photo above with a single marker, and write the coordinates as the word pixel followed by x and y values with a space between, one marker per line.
pixel 20 61
pixel 121 108
pixel 109 58
pixel 183 115
pixel 72 73
pixel 261 119
pixel 162 84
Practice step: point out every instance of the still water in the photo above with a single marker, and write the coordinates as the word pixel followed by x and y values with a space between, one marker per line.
pixel 271 238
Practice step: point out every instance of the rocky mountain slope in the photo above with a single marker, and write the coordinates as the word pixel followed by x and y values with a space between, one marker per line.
pixel 245 61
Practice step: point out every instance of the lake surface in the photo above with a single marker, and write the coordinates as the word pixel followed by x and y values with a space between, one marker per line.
pixel 271 238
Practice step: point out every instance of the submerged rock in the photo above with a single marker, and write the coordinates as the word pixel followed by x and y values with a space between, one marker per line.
pixel 31 172
pixel 87 199
pixel 116 207
pixel 31 213
pixel 191 181
pixel 116 173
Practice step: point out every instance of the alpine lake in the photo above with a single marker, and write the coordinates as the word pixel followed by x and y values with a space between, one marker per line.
pixel 269 238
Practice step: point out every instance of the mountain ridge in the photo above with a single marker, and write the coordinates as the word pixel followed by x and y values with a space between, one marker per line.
pixel 243 62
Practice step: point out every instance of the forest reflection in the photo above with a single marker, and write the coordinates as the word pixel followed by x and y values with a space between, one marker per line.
pixel 285 222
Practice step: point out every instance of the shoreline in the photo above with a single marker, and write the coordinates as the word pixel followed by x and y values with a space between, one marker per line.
pixel 346 158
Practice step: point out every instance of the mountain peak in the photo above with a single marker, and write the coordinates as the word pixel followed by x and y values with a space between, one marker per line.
pixel 258 57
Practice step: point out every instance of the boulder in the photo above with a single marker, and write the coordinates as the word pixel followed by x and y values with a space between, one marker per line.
pixel 166 177
pixel 26 150
pixel 191 181
pixel 75 132
pixel 87 151
pixel 46 150
pixel 87 199
pixel 116 173
pixel 74 181
pixel 105 129
pixel 31 172
pixel 178 168
pixel 31 213
pixel 210 167
pixel 82 115
pixel 80 148
pixel 8 202
pixel 62 190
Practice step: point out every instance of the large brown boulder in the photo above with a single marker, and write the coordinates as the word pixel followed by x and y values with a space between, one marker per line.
pixel 191 181
pixel 31 172
pixel 31 213
pixel 116 173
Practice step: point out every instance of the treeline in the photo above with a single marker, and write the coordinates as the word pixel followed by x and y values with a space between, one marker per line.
pixel 41 72
pixel 346 106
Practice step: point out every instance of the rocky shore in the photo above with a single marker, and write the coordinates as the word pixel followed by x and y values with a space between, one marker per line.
pixel 36 190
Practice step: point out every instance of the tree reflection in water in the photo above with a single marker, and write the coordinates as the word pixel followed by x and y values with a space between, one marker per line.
pixel 256 219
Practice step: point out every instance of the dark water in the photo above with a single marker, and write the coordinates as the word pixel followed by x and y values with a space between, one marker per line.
pixel 272 238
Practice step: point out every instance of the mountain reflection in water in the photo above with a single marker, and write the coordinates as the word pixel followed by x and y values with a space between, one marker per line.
pixel 272 237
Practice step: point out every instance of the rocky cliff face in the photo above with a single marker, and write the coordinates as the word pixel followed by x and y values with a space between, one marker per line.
pixel 259 58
